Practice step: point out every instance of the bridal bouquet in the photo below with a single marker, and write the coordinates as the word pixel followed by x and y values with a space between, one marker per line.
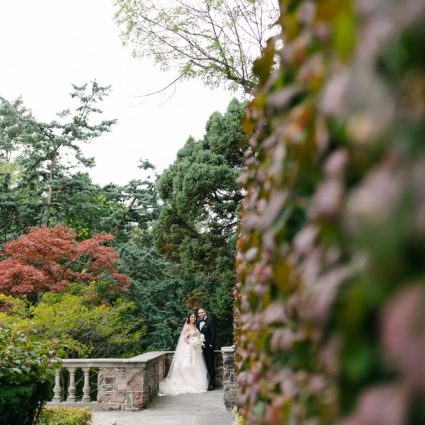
pixel 197 342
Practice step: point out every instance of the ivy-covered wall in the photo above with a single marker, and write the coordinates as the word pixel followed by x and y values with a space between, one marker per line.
pixel 331 288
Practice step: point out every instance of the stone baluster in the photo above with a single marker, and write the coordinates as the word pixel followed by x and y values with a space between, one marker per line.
pixel 71 387
pixel 229 381
pixel 86 387
pixel 57 387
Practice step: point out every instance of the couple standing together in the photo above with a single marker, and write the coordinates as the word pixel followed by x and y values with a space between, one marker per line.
pixel 192 369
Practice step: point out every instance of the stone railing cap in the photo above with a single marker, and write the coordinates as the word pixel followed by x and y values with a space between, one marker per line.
pixel 230 349
pixel 150 355
pixel 138 361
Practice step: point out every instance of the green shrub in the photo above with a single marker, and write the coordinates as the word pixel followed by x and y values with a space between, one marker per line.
pixel 79 323
pixel 65 416
pixel 21 404
pixel 25 377
pixel 22 360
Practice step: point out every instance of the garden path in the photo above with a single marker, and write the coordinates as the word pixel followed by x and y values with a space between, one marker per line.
pixel 185 409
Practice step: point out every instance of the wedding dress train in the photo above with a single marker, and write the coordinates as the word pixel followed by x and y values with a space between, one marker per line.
pixel 188 373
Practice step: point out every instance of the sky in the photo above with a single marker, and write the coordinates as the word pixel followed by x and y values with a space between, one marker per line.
pixel 47 45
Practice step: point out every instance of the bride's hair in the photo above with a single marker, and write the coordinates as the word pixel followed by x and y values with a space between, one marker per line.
pixel 190 314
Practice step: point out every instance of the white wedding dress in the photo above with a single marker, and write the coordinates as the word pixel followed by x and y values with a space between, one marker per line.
pixel 188 373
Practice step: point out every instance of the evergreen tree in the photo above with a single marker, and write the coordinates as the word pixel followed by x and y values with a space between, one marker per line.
pixel 16 206
pixel 197 225
pixel 158 289
pixel 42 148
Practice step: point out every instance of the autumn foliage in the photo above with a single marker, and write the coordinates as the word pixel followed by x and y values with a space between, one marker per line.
pixel 48 259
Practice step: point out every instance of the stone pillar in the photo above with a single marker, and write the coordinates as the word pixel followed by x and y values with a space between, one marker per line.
pixel 229 381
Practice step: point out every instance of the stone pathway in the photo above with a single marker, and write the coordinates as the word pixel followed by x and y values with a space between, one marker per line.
pixel 185 409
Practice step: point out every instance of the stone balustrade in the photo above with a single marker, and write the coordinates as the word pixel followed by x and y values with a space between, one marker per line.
pixel 122 384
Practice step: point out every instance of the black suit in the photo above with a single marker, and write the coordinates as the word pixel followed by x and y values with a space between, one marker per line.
pixel 209 332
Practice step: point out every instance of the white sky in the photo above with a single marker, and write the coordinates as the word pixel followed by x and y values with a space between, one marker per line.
pixel 46 45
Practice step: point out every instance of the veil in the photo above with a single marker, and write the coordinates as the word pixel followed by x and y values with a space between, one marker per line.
pixel 178 353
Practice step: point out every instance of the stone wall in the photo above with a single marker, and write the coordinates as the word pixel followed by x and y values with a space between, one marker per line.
pixel 128 387
pixel 121 388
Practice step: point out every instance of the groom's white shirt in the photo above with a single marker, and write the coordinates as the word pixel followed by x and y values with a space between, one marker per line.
pixel 202 324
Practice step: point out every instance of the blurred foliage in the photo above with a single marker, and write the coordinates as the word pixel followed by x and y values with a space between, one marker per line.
pixel 331 297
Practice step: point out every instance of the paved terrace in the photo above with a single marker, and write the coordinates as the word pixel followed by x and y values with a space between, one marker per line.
pixel 185 409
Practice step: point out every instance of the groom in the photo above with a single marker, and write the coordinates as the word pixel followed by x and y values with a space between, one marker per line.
pixel 207 328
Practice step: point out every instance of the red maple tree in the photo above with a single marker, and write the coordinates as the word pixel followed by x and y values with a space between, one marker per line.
pixel 48 259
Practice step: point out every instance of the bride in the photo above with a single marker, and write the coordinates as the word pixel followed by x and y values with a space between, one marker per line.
pixel 188 373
